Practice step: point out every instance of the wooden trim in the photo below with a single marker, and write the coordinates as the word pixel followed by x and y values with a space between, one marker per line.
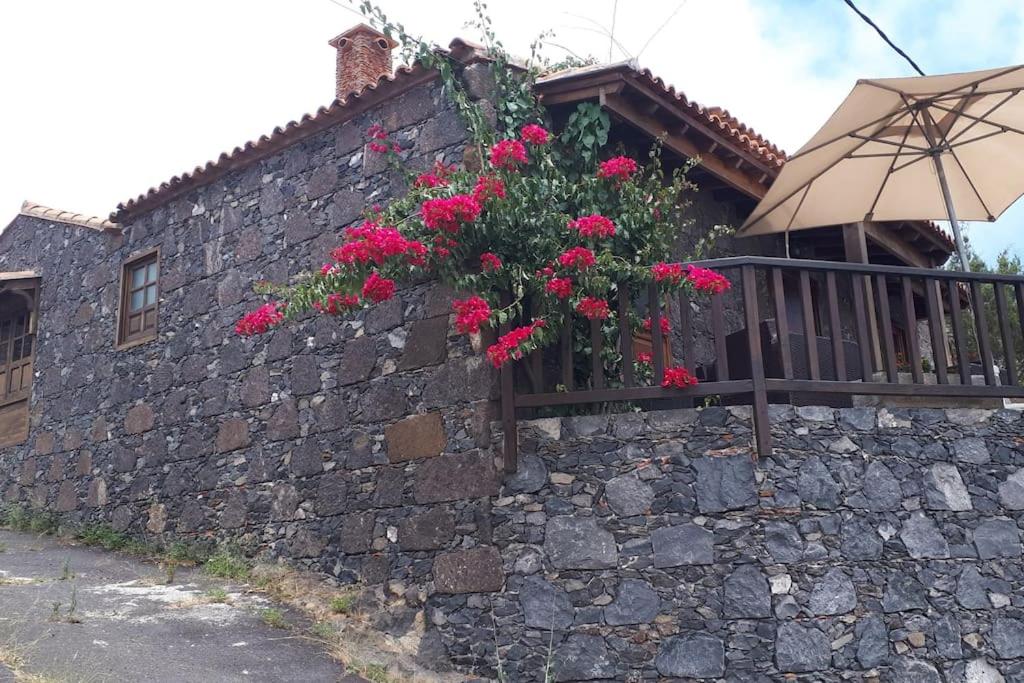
pixel 683 146
pixel 121 340
pixel 896 245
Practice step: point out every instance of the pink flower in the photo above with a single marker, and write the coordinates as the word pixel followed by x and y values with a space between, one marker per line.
pixel 260 320
pixel 706 280
pixel 559 286
pixel 644 358
pixel 378 147
pixel 671 272
pixel 678 378
pixel 337 303
pixel 580 258
pixel 664 325
pixel 488 187
pixel 508 154
pixel 490 263
pixel 436 177
pixel 593 308
pixel 617 169
pixel 377 132
pixel 535 135
pixel 509 345
pixel 377 288
pixel 370 242
pixel 449 213
pixel 470 314
pixel 594 225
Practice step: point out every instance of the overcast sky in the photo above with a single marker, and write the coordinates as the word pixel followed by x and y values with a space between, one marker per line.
pixel 103 99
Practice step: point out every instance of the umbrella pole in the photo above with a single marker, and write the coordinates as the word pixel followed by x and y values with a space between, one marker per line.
pixel 951 212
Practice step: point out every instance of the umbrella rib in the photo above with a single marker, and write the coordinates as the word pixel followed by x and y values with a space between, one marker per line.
pixel 890 116
pixel 960 165
pixel 942 93
pixel 981 137
pixel 971 183
pixel 888 174
pixel 879 155
pixel 806 185
pixel 888 142
pixel 975 120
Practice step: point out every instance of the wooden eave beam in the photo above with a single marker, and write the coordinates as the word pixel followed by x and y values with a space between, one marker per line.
pixel 896 245
pixel 632 115
pixel 678 110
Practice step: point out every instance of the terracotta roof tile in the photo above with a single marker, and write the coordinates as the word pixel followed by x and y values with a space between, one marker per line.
pixel 57 215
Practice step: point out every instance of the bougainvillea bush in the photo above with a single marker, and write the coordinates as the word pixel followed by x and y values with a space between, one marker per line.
pixel 540 217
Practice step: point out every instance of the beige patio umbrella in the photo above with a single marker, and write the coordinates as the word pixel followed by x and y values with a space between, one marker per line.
pixel 928 147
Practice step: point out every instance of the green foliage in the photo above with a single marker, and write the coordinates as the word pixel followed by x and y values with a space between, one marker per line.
pixel 226 564
pixel 106 537
pixel 17 518
pixel 273 617
pixel 217 595
pixel 583 136
pixel 343 604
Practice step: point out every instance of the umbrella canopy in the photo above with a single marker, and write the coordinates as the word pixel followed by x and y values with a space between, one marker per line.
pixel 928 147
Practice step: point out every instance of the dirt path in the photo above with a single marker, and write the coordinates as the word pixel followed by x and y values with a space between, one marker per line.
pixel 70 613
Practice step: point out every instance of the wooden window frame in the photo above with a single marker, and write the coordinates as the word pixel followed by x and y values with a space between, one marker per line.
pixel 29 290
pixel 122 338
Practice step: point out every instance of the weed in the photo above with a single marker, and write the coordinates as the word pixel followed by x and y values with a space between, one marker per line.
pixel 375 673
pixel 107 538
pixel 273 618
pixel 72 617
pixel 3 547
pixel 324 630
pixel 184 553
pixel 55 611
pixel 226 564
pixel 66 572
pixel 217 595
pixel 343 604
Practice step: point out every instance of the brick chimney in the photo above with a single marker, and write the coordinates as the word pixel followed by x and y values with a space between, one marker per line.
pixel 364 55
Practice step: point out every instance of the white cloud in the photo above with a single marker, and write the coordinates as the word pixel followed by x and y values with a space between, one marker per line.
pixel 109 97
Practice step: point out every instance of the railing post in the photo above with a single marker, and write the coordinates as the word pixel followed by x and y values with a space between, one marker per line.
pixel 762 424
pixel 510 450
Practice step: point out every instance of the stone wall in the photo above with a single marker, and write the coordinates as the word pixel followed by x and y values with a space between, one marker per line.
pixel 882 544
pixel 278 443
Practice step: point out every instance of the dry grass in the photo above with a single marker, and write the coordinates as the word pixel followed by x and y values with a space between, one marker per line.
pixel 344 627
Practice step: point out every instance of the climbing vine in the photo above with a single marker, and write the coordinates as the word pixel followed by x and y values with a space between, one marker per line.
pixel 549 219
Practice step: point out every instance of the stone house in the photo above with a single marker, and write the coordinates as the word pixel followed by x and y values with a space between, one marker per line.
pixel 364 449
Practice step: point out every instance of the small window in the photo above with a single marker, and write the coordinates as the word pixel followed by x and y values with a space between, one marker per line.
pixel 139 293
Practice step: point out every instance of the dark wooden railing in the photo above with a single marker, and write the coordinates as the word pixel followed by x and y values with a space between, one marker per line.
pixel 820 329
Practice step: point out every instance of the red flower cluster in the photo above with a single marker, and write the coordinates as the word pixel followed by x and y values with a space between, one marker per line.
pixel 488 187
pixel 678 378
pixel 377 288
pixel 378 136
pixel 337 303
pixel 490 263
pixel 644 358
pixel 593 308
pixel 580 258
pixel 559 286
pixel 371 242
pixel 260 320
pixel 508 154
pixel 470 314
pixel 673 272
pixel 449 213
pixel 535 135
pixel 618 169
pixel 594 225
pixel 706 280
pixel 436 177
pixel 663 324
pixel 507 346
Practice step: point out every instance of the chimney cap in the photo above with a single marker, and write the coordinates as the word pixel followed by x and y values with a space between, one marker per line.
pixel 335 42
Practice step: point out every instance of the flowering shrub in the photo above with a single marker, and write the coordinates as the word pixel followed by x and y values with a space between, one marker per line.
pixel 539 216
pixel 678 378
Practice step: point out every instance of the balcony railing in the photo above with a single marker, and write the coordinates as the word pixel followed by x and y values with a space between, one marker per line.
pixel 796 329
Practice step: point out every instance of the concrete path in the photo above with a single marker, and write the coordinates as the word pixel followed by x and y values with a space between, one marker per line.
pixel 107 617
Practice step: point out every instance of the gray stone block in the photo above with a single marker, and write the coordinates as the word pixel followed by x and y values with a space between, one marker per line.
pixel 683 544
pixel 801 649
pixel 697 655
pixel 579 543
pixel 725 483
